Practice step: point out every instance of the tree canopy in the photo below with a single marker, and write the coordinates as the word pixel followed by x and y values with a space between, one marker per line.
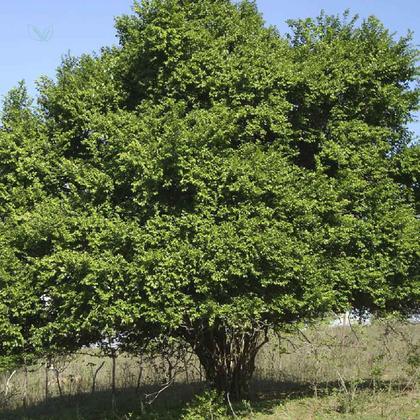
pixel 210 179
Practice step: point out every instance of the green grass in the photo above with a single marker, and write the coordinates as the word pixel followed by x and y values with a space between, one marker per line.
pixel 366 404
pixel 321 373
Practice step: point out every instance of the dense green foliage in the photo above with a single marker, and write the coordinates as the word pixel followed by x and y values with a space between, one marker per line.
pixel 209 179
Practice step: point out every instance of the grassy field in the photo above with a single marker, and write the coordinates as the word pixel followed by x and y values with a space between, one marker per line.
pixel 362 372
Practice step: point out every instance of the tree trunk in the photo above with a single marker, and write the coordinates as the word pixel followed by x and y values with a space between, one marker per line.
pixel 228 357
pixel 25 385
pixel 47 366
pixel 95 375
pixel 58 381
pixel 113 374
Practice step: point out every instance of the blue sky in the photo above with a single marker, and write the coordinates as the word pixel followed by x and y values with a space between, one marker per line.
pixel 34 34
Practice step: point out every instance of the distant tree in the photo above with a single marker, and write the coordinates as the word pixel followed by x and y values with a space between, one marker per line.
pixel 209 180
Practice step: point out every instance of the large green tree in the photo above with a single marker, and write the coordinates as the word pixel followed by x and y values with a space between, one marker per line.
pixel 209 179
